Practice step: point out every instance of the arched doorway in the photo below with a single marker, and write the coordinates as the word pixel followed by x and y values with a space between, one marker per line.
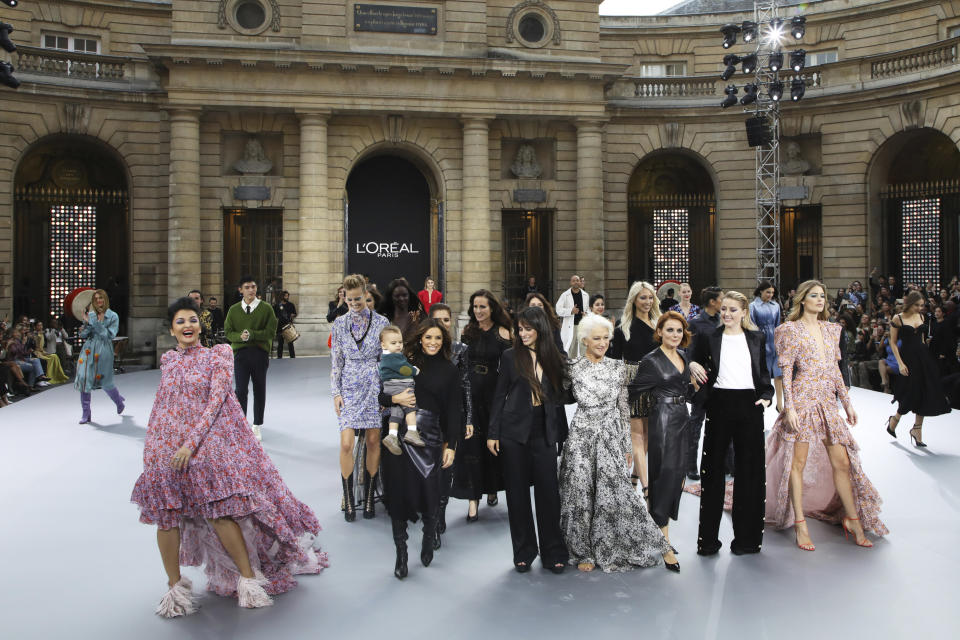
pixel 915 208
pixel 672 221
pixel 393 224
pixel 71 207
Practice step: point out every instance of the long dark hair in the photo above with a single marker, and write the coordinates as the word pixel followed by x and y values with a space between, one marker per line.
pixel 411 346
pixel 387 309
pixel 551 314
pixel 548 355
pixel 498 314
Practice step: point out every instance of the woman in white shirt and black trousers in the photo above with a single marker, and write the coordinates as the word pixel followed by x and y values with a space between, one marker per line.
pixel 730 364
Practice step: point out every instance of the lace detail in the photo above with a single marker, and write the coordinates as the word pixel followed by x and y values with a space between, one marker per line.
pixel 603 520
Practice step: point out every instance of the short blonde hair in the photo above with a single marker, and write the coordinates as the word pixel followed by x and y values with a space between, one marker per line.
pixel 390 328
pixel 354 281
pixel 591 322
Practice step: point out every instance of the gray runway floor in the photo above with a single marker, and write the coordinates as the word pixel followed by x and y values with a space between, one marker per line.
pixel 78 564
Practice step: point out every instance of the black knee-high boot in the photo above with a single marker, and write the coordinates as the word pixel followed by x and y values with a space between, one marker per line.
pixel 369 485
pixel 400 540
pixel 429 537
pixel 348 512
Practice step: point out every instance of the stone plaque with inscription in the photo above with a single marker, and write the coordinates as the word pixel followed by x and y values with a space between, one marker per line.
pixel 395 19
pixel 251 193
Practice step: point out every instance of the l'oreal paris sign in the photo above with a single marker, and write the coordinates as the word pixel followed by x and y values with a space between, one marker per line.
pixel 386 249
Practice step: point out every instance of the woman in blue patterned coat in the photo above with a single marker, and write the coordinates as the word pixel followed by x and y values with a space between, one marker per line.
pixel 95 363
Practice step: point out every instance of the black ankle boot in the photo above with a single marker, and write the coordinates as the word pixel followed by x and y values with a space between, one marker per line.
pixel 400 540
pixel 369 510
pixel 348 512
pixel 429 537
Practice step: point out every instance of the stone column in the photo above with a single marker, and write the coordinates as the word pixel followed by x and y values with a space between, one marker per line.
pixel 314 236
pixel 590 231
pixel 477 233
pixel 183 223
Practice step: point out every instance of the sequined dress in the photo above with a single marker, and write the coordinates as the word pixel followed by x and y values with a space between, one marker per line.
pixel 604 520
pixel 229 475
pixel 811 387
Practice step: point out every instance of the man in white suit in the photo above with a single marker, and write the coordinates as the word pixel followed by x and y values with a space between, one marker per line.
pixel 570 307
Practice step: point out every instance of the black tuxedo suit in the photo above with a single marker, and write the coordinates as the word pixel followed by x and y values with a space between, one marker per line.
pixel 529 438
pixel 733 415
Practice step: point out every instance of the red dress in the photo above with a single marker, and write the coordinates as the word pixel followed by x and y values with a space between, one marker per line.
pixel 429 298
pixel 229 475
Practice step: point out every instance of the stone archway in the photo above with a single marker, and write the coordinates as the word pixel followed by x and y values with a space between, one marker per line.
pixel 914 217
pixel 672 220
pixel 71 225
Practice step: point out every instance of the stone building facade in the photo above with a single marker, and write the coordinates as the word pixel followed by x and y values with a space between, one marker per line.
pixel 478 142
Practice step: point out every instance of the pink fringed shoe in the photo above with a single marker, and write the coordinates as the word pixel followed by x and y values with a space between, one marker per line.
pixel 251 594
pixel 178 601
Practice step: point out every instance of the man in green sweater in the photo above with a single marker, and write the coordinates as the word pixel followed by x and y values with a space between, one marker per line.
pixel 250 326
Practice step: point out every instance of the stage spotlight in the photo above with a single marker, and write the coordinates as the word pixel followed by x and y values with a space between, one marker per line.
pixel 731 61
pixel 750 63
pixel 797 88
pixel 798 26
pixel 731 98
pixel 776 61
pixel 749 94
pixel 729 32
pixel 749 30
pixel 776 91
pixel 798 59
pixel 6 75
pixel 5 40
pixel 776 30
pixel 11 3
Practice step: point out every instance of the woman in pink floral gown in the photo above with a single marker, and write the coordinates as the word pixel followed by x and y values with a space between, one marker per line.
pixel 803 477
pixel 212 491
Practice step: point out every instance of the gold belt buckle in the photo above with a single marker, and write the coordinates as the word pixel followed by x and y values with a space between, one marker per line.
pixel 481 369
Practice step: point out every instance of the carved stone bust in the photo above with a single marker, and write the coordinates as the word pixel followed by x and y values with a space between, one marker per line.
pixel 255 160
pixel 794 165
pixel 526 165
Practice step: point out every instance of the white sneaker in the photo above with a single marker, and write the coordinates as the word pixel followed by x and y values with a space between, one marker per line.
pixel 256 431
pixel 42 383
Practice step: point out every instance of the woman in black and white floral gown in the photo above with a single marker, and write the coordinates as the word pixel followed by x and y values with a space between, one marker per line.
pixel 604 521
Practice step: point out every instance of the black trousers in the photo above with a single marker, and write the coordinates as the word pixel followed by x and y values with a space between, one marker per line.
pixel 733 417
pixel 250 363
pixel 536 460
pixel 280 343
pixel 694 426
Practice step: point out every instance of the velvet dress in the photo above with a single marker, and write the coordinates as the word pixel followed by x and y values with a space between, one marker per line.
pixel 229 476
pixel 667 430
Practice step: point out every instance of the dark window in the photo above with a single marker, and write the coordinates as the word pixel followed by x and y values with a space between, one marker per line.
pixel 531 28
pixel 250 15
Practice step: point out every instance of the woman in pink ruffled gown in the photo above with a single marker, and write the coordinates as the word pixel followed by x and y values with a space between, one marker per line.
pixel 212 491
pixel 813 462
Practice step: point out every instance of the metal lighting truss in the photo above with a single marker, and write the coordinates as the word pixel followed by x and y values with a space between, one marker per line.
pixel 767 192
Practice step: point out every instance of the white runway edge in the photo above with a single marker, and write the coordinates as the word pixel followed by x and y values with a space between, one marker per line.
pixel 78 564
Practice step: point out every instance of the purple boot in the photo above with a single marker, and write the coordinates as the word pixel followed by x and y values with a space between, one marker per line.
pixel 85 403
pixel 117 399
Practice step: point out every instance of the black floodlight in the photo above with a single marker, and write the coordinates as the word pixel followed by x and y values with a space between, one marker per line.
pixel 11 3
pixel 5 40
pixel 730 61
pixel 749 94
pixel 749 30
pixel 750 63
pixel 731 98
pixel 797 88
pixel 776 61
pixel 6 75
pixel 776 91
pixel 729 32
pixel 798 27
pixel 798 60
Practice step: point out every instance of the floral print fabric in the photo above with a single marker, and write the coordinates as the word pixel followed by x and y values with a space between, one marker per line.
pixel 229 476
pixel 603 519
pixel 95 362
pixel 811 386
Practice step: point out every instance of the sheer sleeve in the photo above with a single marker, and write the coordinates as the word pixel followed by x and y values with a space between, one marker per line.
pixel 785 339
pixel 463 364
pixel 221 383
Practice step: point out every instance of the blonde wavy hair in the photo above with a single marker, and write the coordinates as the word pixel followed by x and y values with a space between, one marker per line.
pixel 629 307
pixel 746 323
pixel 796 310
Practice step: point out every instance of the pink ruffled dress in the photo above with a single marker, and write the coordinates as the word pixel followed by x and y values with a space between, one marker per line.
pixel 229 475
pixel 811 386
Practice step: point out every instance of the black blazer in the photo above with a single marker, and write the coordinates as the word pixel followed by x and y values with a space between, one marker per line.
pixel 706 352
pixel 512 407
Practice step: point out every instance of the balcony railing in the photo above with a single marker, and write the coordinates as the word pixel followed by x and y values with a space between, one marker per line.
pixel 932 56
pixel 71 64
